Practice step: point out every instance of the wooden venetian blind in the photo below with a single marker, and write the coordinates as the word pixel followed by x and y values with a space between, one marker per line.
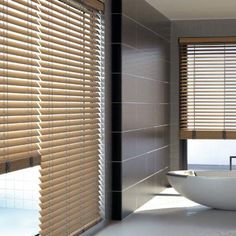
pixel 70 117
pixel 19 94
pixel 208 88
pixel 51 104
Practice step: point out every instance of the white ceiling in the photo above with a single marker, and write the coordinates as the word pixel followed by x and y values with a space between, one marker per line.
pixel 196 9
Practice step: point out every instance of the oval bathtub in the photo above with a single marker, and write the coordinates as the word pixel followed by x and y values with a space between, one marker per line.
pixel 216 189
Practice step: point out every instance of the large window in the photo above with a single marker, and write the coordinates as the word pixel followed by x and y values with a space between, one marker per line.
pixel 210 153
pixel 51 77
pixel 208 88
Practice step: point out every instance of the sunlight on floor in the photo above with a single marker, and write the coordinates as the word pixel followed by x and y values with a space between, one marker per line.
pixel 169 214
pixel 168 198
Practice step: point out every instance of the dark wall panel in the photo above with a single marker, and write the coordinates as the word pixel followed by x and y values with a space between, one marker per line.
pixel 140 103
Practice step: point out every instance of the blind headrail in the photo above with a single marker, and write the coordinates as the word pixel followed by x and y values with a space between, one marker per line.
pixel 92 4
pixel 189 40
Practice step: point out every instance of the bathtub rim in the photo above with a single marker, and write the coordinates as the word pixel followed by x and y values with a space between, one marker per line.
pixel 181 173
pixel 194 173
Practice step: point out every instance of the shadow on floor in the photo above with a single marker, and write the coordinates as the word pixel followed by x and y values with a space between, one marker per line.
pixel 183 221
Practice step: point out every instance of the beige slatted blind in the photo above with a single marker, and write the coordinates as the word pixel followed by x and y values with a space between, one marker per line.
pixel 70 117
pixel 50 111
pixel 208 88
pixel 19 94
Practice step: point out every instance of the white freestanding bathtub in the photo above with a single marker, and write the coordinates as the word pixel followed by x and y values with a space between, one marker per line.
pixel 215 189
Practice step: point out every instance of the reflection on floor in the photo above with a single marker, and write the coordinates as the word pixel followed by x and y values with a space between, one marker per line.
pixel 18 222
pixel 169 214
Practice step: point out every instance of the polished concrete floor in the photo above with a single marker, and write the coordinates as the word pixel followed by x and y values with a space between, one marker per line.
pixel 169 214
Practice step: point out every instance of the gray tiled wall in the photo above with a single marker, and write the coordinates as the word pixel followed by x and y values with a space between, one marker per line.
pixel 140 81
